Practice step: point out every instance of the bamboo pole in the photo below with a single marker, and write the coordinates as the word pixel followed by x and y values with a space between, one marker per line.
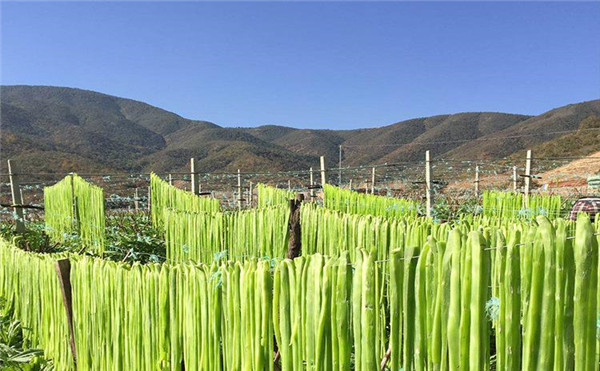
pixel 312 185
pixel 323 174
pixel 527 178
pixel 239 188
pixel 17 199
pixel 477 181
pixel 373 181
pixel 193 175
pixel 428 181
pixel 250 194
pixel 136 200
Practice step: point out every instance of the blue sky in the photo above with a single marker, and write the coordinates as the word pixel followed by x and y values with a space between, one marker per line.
pixel 313 65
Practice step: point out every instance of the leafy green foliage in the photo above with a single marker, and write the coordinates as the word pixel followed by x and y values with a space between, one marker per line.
pixel 131 237
pixel 15 354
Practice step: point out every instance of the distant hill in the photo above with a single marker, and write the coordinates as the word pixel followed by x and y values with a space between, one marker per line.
pixel 46 128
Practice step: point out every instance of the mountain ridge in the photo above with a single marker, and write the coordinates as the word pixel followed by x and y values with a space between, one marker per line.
pixel 59 129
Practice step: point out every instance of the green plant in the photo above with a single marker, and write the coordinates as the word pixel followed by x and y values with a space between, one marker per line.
pixel 35 238
pixel 131 237
pixel 15 354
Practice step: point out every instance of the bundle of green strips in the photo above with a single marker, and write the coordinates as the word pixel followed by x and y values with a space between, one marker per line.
pixel 202 237
pixel 523 294
pixel 512 205
pixel 59 210
pixel 164 196
pixel 75 206
pixel 89 205
pixel 271 196
pixel 30 284
pixel 352 202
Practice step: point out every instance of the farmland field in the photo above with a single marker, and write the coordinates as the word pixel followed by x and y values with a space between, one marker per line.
pixel 377 284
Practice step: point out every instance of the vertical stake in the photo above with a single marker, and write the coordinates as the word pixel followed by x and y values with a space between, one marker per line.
pixel 350 184
pixel 170 179
pixel 295 241
pixel 340 168
pixel 373 181
pixel 312 184
pixel 239 188
pixel 193 175
pixel 289 185
pixel 514 178
pixel 250 194
pixel 323 175
pixel 17 199
pixel 477 181
pixel 428 182
pixel 63 270
pixel 527 178
pixel 149 197
pixel 23 203
pixel 136 200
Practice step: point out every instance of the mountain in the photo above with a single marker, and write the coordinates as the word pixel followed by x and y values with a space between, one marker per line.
pixel 55 129
pixel 62 129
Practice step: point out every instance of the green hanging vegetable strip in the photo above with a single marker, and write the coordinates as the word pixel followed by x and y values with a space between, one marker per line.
pixel 58 210
pixel 586 284
pixel 271 196
pixel 165 196
pixel 454 312
pixel 348 201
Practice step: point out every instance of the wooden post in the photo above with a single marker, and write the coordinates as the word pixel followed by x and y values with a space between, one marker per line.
pixel 289 185
pixel 386 358
pixel 323 175
pixel 295 242
pixel 477 181
pixel 17 199
pixel 373 181
pixel 239 188
pixel 170 179
pixel 428 181
pixel 193 175
pixel 340 168
pixel 527 178
pixel 350 184
pixel 149 197
pixel 136 200
pixel 250 194
pixel 312 185
pixel 63 270
pixel 22 203
pixel 514 179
